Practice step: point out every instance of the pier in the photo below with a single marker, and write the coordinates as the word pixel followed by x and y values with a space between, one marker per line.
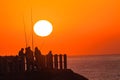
pixel 32 61
pixel 33 65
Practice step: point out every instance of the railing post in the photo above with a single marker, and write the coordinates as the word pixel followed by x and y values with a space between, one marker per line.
pixel 65 61
pixel 60 61
pixel 56 61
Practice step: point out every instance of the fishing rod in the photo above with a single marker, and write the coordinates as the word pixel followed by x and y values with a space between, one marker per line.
pixel 32 29
pixel 25 31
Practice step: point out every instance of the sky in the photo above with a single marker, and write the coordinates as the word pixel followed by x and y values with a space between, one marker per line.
pixel 80 27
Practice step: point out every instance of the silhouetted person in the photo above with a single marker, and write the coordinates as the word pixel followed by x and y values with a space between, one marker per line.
pixel 21 60
pixel 21 52
pixel 29 59
pixel 38 58
pixel 50 60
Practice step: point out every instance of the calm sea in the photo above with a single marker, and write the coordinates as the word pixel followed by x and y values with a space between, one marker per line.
pixel 96 67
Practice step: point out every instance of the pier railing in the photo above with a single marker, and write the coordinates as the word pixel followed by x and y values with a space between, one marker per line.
pixel 39 62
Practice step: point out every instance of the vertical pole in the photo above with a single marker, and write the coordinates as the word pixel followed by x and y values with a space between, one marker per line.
pixel 65 61
pixel 25 30
pixel 32 30
pixel 60 58
pixel 56 61
pixel 51 61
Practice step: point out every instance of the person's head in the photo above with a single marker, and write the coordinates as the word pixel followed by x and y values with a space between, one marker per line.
pixel 26 48
pixel 22 49
pixel 29 47
pixel 50 53
pixel 36 48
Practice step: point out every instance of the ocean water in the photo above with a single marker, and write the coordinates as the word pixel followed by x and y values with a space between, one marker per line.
pixel 96 67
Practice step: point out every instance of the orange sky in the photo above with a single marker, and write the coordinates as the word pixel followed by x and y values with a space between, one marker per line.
pixel 81 27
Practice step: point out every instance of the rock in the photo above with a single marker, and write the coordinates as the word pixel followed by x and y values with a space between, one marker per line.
pixel 43 75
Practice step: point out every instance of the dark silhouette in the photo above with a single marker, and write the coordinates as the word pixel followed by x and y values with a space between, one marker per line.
pixel 60 61
pixel 38 59
pixel 21 60
pixel 56 61
pixel 32 61
pixel 35 66
pixel 49 59
pixel 29 59
pixel 21 52
pixel 65 61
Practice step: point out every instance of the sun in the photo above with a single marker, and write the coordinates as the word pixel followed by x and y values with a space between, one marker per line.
pixel 43 28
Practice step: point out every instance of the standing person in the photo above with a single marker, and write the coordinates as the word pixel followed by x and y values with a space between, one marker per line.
pixel 29 59
pixel 21 52
pixel 50 60
pixel 21 60
pixel 38 58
